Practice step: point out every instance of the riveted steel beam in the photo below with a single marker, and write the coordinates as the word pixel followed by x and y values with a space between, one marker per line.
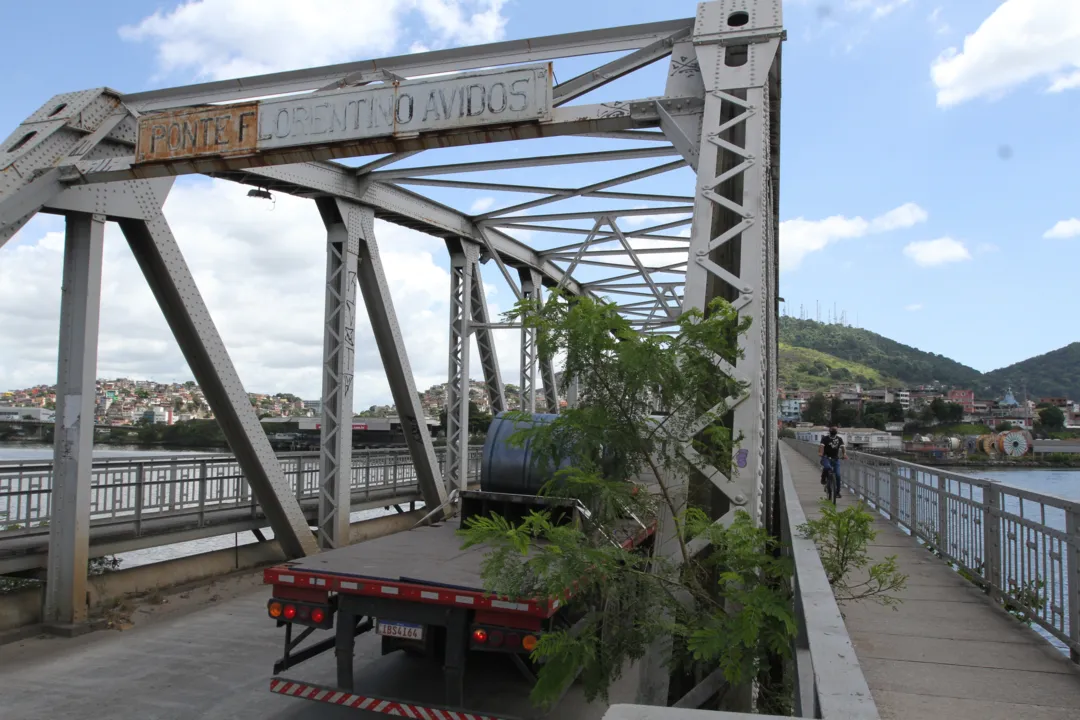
pixel 339 352
pixel 463 262
pixel 69 531
pixel 590 42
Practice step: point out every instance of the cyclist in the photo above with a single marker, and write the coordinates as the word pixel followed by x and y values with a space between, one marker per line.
pixel 831 450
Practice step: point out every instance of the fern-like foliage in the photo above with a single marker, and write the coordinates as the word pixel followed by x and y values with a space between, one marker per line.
pixel 651 408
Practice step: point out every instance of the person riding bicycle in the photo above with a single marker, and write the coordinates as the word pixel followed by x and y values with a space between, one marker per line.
pixel 831 450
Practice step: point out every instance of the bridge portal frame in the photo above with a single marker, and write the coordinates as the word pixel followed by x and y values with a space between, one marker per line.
pixel 718 115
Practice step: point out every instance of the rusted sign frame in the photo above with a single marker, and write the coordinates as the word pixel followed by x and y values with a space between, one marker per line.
pixel 198 132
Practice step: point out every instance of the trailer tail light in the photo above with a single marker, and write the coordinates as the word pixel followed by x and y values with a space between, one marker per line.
pixel 319 615
pixel 501 639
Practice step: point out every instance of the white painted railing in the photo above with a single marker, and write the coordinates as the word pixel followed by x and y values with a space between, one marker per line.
pixel 137 489
pixel 1022 547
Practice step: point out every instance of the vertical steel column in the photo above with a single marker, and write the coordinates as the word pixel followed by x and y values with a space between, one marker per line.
pixel 339 331
pixel 384 325
pixel 572 392
pixel 530 290
pixel 485 344
pixel 547 372
pixel 69 531
pixel 158 254
pixel 463 259
pixel 732 253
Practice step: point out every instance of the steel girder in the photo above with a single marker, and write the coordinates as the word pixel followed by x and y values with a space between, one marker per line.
pixel 384 325
pixel 69 532
pixel 339 350
pixel 590 42
pixel 463 269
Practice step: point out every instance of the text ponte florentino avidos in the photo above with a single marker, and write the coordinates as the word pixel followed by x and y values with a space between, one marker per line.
pixel 419 106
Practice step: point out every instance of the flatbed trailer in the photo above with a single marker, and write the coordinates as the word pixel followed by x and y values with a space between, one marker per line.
pixel 423 595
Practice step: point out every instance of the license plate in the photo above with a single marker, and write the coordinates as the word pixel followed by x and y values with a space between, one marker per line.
pixel 402 630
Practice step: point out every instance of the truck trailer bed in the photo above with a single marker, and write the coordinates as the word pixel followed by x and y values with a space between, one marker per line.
pixel 428 555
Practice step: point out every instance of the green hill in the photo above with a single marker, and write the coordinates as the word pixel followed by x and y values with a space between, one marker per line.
pixel 812 370
pixel 1055 374
pixel 888 357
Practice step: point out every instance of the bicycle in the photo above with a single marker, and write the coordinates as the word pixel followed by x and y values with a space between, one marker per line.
pixel 828 479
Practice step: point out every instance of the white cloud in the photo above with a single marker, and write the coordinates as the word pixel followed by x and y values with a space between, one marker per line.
pixel 905 216
pixel 913 307
pixel 1064 229
pixel 930 253
pixel 934 18
pixel 218 39
pixel 260 271
pixel 878 8
pixel 481 204
pixel 1020 41
pixel 800 237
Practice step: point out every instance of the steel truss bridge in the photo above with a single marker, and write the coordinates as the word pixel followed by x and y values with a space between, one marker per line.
pixel 713 123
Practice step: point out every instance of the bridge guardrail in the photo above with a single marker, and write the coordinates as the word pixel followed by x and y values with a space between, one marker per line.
pixel 133 490
pixel 1022 547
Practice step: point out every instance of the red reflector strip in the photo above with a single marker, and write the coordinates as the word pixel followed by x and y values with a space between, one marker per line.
pixel 289 688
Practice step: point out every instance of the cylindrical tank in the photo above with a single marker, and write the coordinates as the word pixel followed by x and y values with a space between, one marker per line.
pixel 952 443
pixel 505 468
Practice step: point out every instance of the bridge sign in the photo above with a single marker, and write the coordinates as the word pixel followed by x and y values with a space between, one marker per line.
pixel 399 109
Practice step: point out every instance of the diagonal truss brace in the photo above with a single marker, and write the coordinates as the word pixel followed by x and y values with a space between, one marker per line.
pixel 170 279
pixel 485 344
pixel 375 290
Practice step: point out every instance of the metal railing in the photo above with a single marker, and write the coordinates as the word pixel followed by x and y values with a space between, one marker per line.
pixel 1022 547
pixel 138 489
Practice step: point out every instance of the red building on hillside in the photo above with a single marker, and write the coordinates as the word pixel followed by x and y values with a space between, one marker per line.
pixel 964 398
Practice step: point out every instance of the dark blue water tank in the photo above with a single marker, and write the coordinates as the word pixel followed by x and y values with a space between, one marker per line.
pixel 508 469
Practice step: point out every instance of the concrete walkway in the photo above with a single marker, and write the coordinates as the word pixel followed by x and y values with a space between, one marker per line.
pixel 946 651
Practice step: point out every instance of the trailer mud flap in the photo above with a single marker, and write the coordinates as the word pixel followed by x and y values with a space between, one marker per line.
pixel 387 706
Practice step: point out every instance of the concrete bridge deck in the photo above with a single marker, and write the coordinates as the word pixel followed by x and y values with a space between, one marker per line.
pixel 947 650
pixel 207 653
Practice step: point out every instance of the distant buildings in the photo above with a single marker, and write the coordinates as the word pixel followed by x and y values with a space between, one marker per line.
pixel 35 414
pixel 914 402
pixel 864 439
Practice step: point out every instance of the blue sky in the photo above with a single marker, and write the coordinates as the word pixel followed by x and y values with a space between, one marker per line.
pixel 918 182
